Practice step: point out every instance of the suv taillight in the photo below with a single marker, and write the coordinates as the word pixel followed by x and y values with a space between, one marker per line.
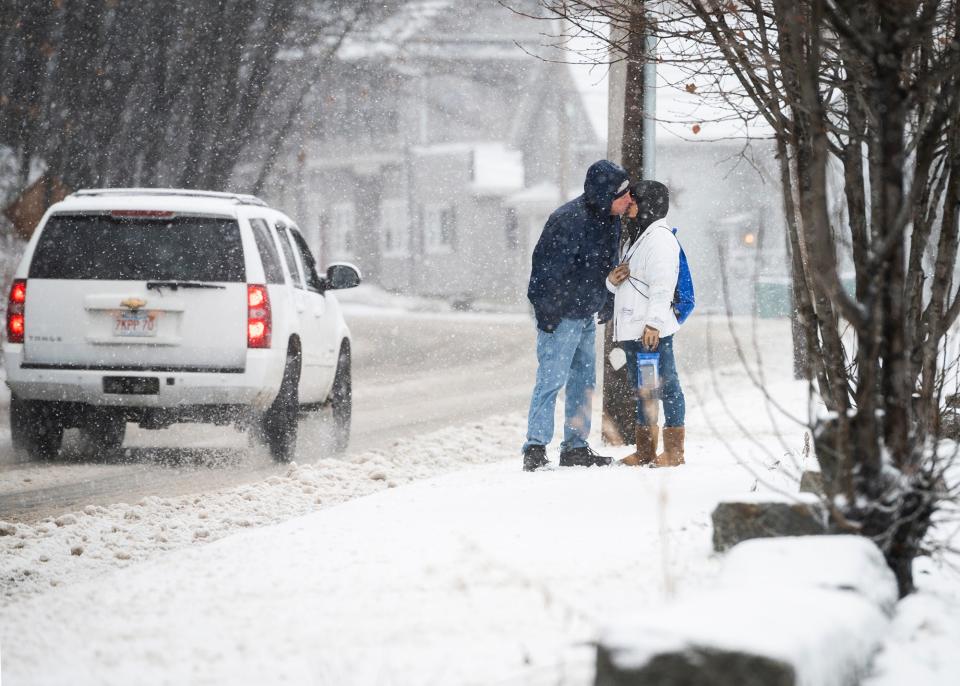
pixel 259 321
pixel 15 306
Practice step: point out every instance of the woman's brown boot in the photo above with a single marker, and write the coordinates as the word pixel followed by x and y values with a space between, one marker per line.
pixel 672 455
pixel 646 447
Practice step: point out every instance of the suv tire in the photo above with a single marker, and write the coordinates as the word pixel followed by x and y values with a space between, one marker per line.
pixel 36 428
pixel 341 401
pixel 101 431
pixel 280 421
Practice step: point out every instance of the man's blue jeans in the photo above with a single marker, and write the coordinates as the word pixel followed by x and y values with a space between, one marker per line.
pixel 566 358
pixel 671 394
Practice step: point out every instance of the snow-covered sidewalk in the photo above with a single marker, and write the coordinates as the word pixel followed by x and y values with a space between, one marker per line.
pixel 482 576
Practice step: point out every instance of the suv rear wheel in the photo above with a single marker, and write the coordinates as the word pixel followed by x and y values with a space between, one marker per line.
pixel 36 428
pixel 341 400
pixel 280 421
pixel 102 430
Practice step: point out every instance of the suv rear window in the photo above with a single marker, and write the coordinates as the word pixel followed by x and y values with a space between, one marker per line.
pixel 102 247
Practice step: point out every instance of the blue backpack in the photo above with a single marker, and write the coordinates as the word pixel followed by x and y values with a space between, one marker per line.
pixel 683 296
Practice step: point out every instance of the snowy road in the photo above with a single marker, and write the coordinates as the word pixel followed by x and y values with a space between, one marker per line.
pixel 414 372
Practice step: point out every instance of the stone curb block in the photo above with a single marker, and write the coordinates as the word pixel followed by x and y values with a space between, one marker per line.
pixel 811 481
pixel 738 521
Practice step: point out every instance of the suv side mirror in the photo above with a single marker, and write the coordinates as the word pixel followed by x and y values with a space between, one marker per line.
pixel 342 275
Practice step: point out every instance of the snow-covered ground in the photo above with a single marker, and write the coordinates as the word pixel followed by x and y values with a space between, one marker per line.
pixel 922 646
pixel 438 561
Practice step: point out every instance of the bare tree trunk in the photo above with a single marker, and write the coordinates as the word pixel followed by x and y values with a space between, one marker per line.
pixel 935 323
pixel 26 97
pixel 240 130
pixel 619 401
pixel 201 97
pixel 154 122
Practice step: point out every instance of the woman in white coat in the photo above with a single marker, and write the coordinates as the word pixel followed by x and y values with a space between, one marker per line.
pixel 645 320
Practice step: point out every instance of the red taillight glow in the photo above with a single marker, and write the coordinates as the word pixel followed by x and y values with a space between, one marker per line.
pixel 259 321
pixel 18 292
pixel 255 296
pixel 16 328
pixel 15 309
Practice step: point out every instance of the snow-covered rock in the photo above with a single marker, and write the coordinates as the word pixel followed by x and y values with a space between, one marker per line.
pixel 808 611
pixel 808 637
pixel 840 563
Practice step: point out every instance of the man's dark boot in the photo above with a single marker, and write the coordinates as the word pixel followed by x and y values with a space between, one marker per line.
pixel 534 457
pixel 583 457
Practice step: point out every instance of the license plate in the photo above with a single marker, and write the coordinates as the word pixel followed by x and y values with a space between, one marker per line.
pixel 135 324
pixel 131 385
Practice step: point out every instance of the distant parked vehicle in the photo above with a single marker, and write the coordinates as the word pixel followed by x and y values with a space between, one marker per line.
pixel 164 306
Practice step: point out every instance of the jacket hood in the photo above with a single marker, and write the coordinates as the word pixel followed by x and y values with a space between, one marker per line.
pixel 604 179
pixel 653 202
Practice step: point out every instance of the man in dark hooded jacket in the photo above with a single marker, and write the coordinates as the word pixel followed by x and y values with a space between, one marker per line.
pixel 575 255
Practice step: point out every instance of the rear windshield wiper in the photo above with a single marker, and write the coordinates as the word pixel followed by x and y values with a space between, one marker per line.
pixel 175 284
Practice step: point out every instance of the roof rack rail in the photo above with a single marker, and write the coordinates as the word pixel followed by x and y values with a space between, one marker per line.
pixel 239 198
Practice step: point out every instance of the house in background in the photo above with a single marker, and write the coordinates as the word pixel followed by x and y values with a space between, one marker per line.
pixel 728 206
pixel 435 151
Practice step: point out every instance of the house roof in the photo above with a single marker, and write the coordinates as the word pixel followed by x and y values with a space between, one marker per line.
pixel 543 193
pixel 444 29
pixel 389 38
pixel 497 169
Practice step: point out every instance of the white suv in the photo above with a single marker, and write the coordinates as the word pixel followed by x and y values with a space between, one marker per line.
pixel 164 306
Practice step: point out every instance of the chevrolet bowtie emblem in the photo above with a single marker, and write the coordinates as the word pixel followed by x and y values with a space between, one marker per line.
pixel 133 303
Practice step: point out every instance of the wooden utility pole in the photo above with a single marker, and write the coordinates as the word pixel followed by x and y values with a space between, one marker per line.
pixel 630 141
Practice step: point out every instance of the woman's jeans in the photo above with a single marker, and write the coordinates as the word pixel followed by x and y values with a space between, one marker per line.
pixel 566 358
pixel 670 393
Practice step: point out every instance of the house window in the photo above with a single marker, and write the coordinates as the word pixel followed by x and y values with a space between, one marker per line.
pixel 391 122
pixel 439 228
pixel 342 221
pixel 448 226
pixel 512 228
pixel 394 228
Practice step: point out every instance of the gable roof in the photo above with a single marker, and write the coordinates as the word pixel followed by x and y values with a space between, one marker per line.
pixel 388 38
pixel 444 29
